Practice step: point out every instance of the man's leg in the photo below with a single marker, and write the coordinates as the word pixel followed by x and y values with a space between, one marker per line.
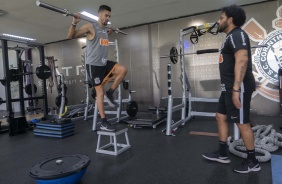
pixel 222 127
pixel 251 163
pixel 105 125
pixel 221 155
pixel 119 73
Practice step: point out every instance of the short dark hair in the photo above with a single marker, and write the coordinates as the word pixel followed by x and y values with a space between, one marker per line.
pixel 236 12
pixel 104 7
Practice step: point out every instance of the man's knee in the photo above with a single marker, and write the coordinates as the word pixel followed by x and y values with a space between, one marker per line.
pixel 121 70
pixel 244 127
pixel 220 118
pixel 99 91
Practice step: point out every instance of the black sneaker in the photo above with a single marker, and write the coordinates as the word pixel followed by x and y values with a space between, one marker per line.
pixel 215 156
pixel 110 100
pixel 107 127
pixel 247 166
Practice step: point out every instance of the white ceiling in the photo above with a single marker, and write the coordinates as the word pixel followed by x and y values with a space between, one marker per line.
pixel 24 18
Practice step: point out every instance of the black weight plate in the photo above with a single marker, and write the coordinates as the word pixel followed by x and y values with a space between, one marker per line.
pixel 132 108
pixel 14 75
pixel 43 72
pixel 173 55
pixel 28 89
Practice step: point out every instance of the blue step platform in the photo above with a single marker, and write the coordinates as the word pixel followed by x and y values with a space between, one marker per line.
pixel 55 128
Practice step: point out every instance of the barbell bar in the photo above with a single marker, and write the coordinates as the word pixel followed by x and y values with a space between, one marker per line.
pixel 173 54
pixel 65 12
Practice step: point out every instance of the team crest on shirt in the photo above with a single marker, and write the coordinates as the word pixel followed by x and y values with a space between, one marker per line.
pixel 267 60
pixel 97 80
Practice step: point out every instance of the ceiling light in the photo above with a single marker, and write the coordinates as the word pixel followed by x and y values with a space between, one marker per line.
pixel 91 16
pixel 18 37
pixel 2 12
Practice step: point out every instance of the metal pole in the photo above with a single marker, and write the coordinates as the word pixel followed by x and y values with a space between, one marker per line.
pixel 20 69
pixel 183 74
pixel 119 86
pixel 170 101
pixel 44 86
pixel 5 57
pixel 94 126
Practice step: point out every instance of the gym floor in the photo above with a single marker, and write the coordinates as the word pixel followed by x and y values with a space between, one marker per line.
pixel 152 158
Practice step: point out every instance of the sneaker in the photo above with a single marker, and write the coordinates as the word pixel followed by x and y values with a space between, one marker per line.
pixel 107 127
pixel 215 156
pixel 247 166
pixel 110 100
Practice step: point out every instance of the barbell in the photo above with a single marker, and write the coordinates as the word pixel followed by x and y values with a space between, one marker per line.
pixel 65 12
pixel 173 53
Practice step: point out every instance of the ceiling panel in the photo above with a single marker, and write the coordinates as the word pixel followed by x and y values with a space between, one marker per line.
pixel 24 18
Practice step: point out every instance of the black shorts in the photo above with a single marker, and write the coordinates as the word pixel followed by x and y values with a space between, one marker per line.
pixel 98 75
pixel 234 115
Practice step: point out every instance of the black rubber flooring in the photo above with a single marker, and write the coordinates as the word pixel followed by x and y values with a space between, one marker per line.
pixel 153 157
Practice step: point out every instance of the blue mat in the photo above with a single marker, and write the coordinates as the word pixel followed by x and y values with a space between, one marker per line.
pixel 276 168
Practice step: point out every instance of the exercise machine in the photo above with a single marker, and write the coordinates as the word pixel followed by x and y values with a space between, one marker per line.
pixel 185 87
pixel 74 112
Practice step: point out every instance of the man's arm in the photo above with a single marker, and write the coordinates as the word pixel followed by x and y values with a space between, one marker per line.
pixel 85 29
pixel 241 63
pixel 73 33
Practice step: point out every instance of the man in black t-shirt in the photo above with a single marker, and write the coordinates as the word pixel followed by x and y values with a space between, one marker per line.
pixel 237 86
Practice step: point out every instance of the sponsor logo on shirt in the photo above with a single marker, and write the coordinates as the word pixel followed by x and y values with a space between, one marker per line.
pixel 104 42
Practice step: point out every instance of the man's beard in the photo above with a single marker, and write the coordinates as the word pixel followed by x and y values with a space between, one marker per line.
pixel 222 27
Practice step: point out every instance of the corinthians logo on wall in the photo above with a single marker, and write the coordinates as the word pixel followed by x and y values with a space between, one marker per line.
pixel 267 60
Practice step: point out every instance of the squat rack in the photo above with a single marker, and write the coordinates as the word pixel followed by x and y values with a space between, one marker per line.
pixel 171 126
pixel 7 78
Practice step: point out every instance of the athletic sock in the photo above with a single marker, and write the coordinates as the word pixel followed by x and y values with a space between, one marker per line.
pixel 104 120
pixel 222 148
pixel 110 91
pixel 251 156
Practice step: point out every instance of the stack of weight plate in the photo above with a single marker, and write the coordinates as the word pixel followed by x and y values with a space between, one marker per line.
pixel 59 128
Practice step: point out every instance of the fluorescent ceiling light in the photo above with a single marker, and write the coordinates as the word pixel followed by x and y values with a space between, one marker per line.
pixel 2 12
pixel 91 16
pixel 19 37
